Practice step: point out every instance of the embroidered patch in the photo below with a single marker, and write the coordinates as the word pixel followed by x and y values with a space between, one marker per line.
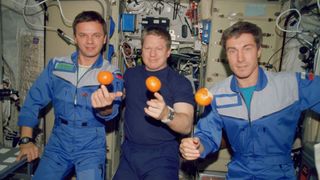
pixel 310 76
pixel 228 100
pixel 118 74
pixel 303 75
pixel 67 67
pixel 307 75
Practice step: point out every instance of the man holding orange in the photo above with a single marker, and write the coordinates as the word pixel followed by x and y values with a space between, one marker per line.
pixel 81 107
pixel 259 111
pixel 153 120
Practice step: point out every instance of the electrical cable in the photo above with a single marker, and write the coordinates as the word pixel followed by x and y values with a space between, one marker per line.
pixel 66 20
pixel 34 25
pixel 278 50
pixel 298 23
pixel 284 39
pixel 64 36
pixel 315 63
pixel 10 70
pixel 303 10
pixel 29 6
pixel 62 15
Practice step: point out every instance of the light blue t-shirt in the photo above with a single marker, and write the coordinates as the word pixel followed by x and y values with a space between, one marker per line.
pixel 247 94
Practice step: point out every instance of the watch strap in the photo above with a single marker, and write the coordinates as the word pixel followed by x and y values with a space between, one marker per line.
pixel 25 140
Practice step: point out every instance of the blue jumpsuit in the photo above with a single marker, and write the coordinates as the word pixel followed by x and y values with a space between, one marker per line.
pixel 261 137
pixel 150 149
pixel 78 135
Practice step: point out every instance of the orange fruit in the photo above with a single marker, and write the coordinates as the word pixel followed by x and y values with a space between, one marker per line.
pixel 105 77
pixel 203 97
pixel 153 84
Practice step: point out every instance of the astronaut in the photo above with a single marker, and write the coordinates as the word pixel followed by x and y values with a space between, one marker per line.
pixel 81 106
pixel 259 111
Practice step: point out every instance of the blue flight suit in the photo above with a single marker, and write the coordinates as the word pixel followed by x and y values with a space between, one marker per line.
pixel 261 137
pixel 78 137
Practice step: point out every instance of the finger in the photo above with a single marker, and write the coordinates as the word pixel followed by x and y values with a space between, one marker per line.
pixel 118 94
pixel 35 153
pixel 113 95
pixel 105 91
pixel 148 112
pixel 155 111
pixel 191 156
pixel 32 156
pixel 187 141
pixel 95 101
pixel 29 157
pixel 158 96
pixel 190 152
pixel 100 98
pixel 153 103
pixel 190 144
pixel 19 156
pixel 188 156
pixel 151 113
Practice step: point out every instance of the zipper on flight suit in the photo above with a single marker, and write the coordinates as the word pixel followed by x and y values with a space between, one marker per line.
pixel 248 110
pixel 77 82
pixel 249 115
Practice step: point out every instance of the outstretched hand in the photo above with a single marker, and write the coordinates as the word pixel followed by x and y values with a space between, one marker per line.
pixel 102 97
pixel 156 108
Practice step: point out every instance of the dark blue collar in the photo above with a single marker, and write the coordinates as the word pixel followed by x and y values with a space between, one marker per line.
pixel 261 83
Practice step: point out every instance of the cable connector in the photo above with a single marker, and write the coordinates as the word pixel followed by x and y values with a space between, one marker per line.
pixel 65 37
pixel 268 66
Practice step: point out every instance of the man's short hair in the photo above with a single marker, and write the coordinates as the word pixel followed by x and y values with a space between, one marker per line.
pixel 239 28
pixel 88 16
pixel 157 31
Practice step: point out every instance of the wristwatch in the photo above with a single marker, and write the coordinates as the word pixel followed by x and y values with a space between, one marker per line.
pixel 169 117
pixel 25 140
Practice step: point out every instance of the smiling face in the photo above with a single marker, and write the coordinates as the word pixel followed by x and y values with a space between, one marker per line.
pixel 89 38
pixel 243 54
pixel 155 52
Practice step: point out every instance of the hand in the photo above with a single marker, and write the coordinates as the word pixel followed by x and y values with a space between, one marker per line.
pixel 157 108
pixel 190 148
pixel 102 97
pixel 30 150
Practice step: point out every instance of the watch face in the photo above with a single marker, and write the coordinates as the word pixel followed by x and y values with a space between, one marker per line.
pixel 171 115
pixel 25 140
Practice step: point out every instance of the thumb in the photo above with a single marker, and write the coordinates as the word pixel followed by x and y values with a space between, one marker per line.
pixel 118 94
pixel 196 141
